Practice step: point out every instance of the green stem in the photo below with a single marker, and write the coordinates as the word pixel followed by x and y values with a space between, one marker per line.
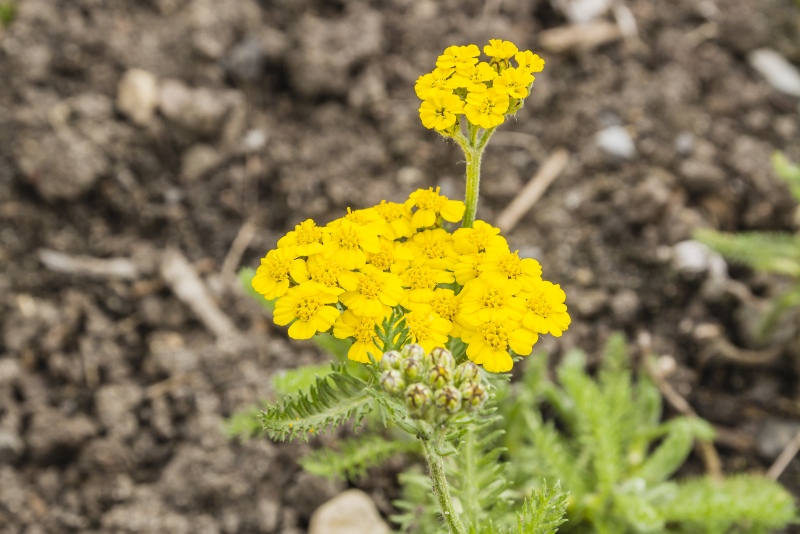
pixel 474 152
pixel 441 489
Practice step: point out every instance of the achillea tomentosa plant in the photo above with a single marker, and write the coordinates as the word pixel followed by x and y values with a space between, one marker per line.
pixel 436 315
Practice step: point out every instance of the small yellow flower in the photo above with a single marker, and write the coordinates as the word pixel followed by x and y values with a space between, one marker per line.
pixel 490 298
pixel 349 242
pixel 455 57
pixel 427 329
pixel 500 50
pixel 421 282
pixel 362 329
pixel 320 268
pixel 473 78
pixel 394 257
pixel 480 238
pixel 511 267
pixel 488 344
pixel 308 305
pixel 433 248
pixel 272 276
pixel 430 205
pixel 440 110
pixel 486 109
pixel 370 219
pixel 398 216
pixel 513 82
pixel 529 61
pixel 545 311
pixel 306 236
pixel 432 82
pixel 371 293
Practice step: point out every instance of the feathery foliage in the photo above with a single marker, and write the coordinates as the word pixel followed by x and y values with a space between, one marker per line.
pixel 331 401
pixel 355 456
pixel 544 512
pixel 616 458
pixel 417 506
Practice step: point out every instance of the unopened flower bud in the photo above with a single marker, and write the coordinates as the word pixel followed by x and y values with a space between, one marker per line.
pixel 412 368
pixel 443 357
pixel 391 360
pixel 439 375
pixel 466 372
pixel 392 382
pixel 418 397
pixel 412 350
pixel 474 394
pixel 448 399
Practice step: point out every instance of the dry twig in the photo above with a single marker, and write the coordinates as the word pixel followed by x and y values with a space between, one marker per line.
pixel 784 458
pixel 238 247
pixel 120 268
pixel 584 36
pixel 533 190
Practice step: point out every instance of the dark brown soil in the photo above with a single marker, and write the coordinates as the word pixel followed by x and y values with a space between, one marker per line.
pixel 113 390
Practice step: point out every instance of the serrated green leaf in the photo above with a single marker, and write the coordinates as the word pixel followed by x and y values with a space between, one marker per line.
pixel 543 512
pixel 768 252
pixel 355 456
pixel 673 451
pixel 332 400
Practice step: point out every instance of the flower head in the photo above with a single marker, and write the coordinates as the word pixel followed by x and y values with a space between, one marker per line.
pixel 440 110
pixel 545 311
pixel 362 329
pixel 488 344
pixel 481 237
pixel 309 306
pixel 272 276
pixel 427 329
pixel 456 57
pixel 306 236
pixel 434 248
pixel 398 217
pixel 529 61
pixel 349 242
pixel 432 82
pixel 513 82
pixel 473 78
pixel 499 49
pixel 486 109
pixel 421 282
pixel 320 268
pixel 430 205
pixel 371 293
pixel 510 266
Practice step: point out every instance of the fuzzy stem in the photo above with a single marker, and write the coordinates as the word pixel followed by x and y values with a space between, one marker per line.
pixel 474 152
pixel 441 489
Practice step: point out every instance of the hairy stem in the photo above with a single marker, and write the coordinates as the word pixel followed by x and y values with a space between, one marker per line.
pixel 473 185
pixel 441 489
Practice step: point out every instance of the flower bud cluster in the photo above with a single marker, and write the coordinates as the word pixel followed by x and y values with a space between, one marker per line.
pixel 431 383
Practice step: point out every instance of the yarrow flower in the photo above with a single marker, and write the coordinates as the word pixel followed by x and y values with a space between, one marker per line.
pixel 484 92
pixel 396 273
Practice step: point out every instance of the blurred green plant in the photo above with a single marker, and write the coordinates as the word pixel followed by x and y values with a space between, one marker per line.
pixel 769 252
pixel 8 12
pixel 609 448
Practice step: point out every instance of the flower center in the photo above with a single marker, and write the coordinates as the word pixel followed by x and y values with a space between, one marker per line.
pixel 480 238
pixel 418 325
pixel 306 307
pixel 365 331
pixel 308 232
pixel 511 266
pixel 445 305
pixel 326 274
pixel 493 298
pixel 390 211
pixel 430 200
pixel 346 237
pixel 382 260
pixel 278 268
pixel 539 304
pixel 433 250
pixel 421 278
pixel 369 286
pixel 495 335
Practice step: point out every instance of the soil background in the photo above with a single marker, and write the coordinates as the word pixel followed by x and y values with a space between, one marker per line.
pixel 119 225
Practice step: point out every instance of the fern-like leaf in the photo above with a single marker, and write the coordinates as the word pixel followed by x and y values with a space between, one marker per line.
pixel 674 449
pixel 544 512
pixel 768 252
pixel 356 455
pixel 331 401
pixel 746 503
pixel 417 506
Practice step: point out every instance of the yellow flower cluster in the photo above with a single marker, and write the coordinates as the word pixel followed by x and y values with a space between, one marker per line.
pixel 350 275
pixel 483 91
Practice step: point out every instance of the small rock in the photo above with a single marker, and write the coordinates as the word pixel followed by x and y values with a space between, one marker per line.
pixel 591 302
pixel 649 197
pixel 137 95
pixel 692 259
pixel 11 446
pixel 684 143
pixel 268 513
pixel 625 305
pixel 200 111
pixel 616 141
pixel 701 177
pixel 198 161
pixel 245 61
pixel 773 437
pixel 352 512
pixel 9 371
pixel 60 165
pixel 53 436
pixel 309 492
pixel 779 73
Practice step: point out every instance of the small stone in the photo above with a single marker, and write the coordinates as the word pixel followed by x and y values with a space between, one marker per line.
pixel 268 514
pixel 198 161
pixel 625 305
pixel 245 61
pixel 616 141
pixel 137 95
pixel 649 197
pixel 591 302
pixel 200 111
pixel 352 512
pixel 684 143
pixel 773 437
pixel 11 446
pixel 693 257
pixel 779 73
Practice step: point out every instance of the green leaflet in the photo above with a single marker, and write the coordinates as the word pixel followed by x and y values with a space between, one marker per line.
pixel 354 456
pixel 544 512
pixel 331 401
